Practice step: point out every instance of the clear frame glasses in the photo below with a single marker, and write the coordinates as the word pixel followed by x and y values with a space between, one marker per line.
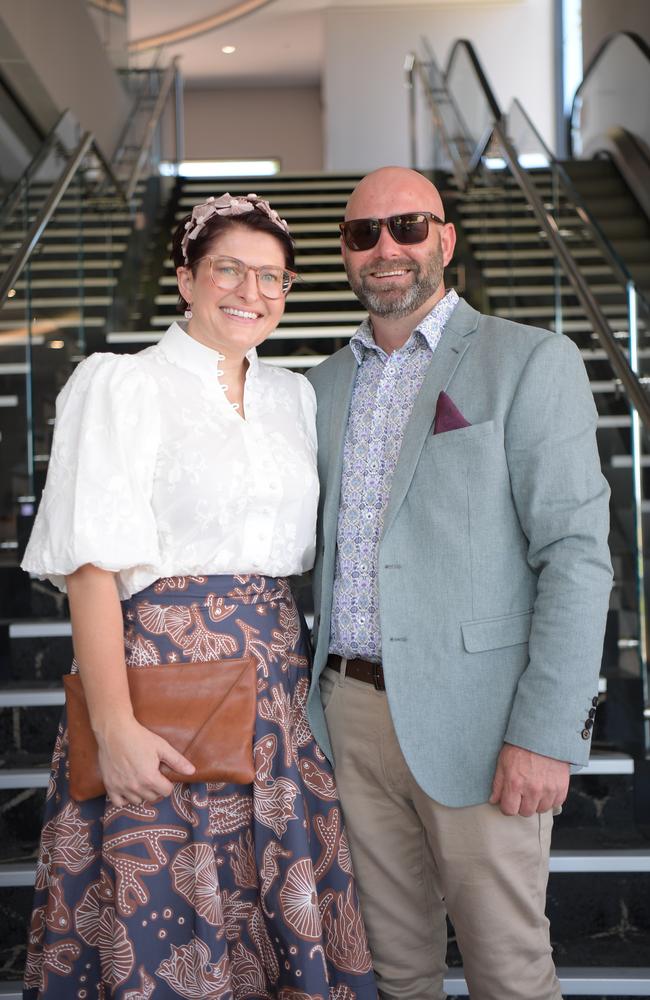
pixel 229 273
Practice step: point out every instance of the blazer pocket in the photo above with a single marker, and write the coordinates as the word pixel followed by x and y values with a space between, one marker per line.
pixel 462 433
pixel 495 633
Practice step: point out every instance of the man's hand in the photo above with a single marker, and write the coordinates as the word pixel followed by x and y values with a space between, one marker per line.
pixel 526 782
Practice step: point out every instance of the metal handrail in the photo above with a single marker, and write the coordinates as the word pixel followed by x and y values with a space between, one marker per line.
pixel 165 88
pixel 630 382
pixel 40 222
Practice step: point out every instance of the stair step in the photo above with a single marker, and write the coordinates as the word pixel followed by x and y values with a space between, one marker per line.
pixel 44 249
pixel 343 315
pixel 91 281
pixel 316 277
pixel 59 302
pixel 39 629
pixel 343 295
pixel 543 271
pixel 15 873
pixel 58 232
pixel 39 265
pixel 31 697
pixel 281 333
pixel 306 180
pixel 573 981
pixel 52 325
pixel 548 291
pixel 571 862
pixel 16 368
pixel 35 777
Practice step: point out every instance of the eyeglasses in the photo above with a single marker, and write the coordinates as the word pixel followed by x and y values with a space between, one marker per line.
pixel 229 273
pixel 410 228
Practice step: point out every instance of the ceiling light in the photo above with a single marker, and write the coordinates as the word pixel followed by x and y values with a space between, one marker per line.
pixel 228 49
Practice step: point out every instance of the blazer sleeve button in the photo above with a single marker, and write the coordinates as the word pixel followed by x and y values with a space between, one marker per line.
pixel 594 701
pixel 586 734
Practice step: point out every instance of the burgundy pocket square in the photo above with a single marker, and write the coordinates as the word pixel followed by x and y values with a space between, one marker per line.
pixel 448 416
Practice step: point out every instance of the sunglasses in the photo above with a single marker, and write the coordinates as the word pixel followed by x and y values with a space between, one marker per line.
pixel 410 228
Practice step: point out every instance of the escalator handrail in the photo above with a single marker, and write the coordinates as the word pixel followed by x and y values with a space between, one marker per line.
pixel 488 93
pixel 640 43
pixel 632 386
pixel 614 259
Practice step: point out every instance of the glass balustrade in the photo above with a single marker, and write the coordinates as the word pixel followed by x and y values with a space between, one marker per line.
pixel 54 315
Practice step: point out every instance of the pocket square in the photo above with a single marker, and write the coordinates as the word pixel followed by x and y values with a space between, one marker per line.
pixel 448 416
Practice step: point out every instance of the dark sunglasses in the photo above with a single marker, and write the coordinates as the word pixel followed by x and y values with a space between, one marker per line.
pixel 412 227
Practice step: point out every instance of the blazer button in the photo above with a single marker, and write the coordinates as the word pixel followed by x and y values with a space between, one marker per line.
pixel 594 701
pixel 589 723
pixel 592 713
pixel 586 734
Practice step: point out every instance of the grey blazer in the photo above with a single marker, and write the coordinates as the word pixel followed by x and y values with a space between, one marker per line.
pixel 493 568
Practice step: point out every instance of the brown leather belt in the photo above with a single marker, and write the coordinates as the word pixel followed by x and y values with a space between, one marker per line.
pixel 361 670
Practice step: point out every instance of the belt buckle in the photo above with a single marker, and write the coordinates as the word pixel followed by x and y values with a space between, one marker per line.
pixel 377 679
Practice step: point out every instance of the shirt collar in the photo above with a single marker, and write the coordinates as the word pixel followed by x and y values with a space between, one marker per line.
pixel 429 328
pixel 186 352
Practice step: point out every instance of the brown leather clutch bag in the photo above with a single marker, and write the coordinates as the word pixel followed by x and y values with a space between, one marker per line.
pixel 205 710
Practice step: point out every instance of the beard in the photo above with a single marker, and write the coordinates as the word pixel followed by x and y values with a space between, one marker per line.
pixel 398 302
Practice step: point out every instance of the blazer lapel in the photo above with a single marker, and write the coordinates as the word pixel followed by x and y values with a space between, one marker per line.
pixel 453 344
pixel 340 406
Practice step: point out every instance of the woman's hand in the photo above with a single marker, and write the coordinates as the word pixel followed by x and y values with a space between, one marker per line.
pixel 129 760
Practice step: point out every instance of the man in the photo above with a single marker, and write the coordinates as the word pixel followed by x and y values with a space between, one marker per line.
pixel 461 589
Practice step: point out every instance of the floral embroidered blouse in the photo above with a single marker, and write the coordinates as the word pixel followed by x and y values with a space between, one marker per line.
pixel 154 474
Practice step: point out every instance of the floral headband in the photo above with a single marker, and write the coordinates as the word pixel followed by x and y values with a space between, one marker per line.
pixel 227 205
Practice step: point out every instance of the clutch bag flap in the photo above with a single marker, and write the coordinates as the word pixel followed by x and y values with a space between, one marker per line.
pixel 205 710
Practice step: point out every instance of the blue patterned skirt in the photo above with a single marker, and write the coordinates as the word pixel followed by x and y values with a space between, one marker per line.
pixel 220 891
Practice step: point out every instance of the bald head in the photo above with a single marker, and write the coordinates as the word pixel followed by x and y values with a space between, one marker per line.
pixel 397 281
pixel 391 190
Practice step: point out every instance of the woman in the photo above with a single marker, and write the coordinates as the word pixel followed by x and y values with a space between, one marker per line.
pixel 181 492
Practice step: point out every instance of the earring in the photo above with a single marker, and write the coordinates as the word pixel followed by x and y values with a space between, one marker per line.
pixel 188 312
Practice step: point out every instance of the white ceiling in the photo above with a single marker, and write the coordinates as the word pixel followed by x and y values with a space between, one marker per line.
pixel 279 45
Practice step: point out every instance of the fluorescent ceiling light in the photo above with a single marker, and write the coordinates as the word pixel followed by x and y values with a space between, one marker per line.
pixel 228 49
pixel 221 168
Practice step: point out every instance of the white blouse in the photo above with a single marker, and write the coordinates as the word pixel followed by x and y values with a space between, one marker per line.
pixel 154 474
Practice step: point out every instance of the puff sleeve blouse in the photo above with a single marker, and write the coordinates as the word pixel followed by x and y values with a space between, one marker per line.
pixel 154 474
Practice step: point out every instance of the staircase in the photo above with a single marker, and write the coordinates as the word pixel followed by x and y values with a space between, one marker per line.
pixel 599 898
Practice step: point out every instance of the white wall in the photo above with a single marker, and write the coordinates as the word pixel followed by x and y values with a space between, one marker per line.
pixel 51 54
pixel 281 122
pixel 365 101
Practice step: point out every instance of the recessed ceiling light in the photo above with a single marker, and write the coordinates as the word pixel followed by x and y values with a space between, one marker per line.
pixel 228 49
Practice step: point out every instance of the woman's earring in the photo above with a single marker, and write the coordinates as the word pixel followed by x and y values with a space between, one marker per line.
pixel 188 312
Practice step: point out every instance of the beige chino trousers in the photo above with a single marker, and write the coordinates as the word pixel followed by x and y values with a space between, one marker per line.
pixel 417 861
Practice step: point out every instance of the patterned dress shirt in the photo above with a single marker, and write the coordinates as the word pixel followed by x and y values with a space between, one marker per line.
pixel 384 392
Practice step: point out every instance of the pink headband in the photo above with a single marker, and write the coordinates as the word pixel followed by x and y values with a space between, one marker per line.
pixel 227 205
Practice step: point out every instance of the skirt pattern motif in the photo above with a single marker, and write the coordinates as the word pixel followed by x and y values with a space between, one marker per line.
pixel 218 891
